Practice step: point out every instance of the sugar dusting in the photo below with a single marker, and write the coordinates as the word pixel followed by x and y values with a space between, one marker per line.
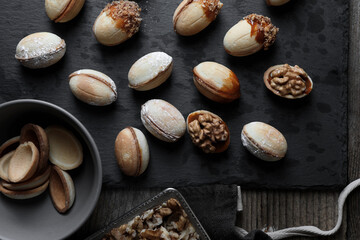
pixel 159 61
pixel 40 49
pixel 149 67
pixel 37 45
pixel 163 119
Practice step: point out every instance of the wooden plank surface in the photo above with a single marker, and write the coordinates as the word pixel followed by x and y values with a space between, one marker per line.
pixel 276 209
pixel 282 209
pixel 354 119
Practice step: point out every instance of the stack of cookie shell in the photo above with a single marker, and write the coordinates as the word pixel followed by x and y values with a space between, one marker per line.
pixel 26 172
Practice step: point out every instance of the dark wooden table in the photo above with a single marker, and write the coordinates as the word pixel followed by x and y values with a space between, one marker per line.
pixel 278 209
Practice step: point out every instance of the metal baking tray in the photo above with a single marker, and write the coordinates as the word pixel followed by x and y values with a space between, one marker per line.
pixel 152 202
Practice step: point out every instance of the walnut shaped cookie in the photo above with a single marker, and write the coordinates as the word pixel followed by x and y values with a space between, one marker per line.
pixel 208 131
pixel 287 81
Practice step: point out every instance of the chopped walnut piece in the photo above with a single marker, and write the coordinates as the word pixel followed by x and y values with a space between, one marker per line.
pixel 137 224
pixel 155 221
pixel 206 131
pixel 173 204
pixel 117 235
pixel 122 228
pixel 165 235
pixel 148 214
pixel 265 31
pixel 151 234
pixel 165 211
pixel 189 233
pixel 288 80
pixel 180 224
pixel 173 235
pixel 114 234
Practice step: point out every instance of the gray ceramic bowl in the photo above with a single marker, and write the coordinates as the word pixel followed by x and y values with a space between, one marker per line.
pixel 37 218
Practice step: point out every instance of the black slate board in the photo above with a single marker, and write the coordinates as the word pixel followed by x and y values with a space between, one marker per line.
pixel 313 34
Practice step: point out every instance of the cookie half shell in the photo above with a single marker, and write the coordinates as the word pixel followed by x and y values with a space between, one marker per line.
pixel 65 149
pixel 62 189
pixel 9 145
pixel 23 164
pixel 36 134
pixel 32 183
pixel 4 165
pixel 26 194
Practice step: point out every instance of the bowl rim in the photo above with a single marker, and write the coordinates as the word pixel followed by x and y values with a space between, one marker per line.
pixel 88 140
